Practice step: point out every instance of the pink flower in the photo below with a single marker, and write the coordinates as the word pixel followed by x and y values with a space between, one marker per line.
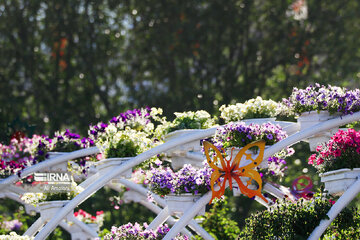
pixel 337 153
pixel 99 213
pixel 311 159
pixel 319 161
pixel 99 156
pixel 318 148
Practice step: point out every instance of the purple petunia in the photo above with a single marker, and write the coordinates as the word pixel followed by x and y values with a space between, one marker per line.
pixel 136 231
pixel 319 97
pixel 186 180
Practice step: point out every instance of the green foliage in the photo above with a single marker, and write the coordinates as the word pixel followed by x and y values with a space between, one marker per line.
pixel 218 223
pixel 354 125
pixel 288 220
pixel 103 233
pixel 71 63
pixel 104 200
pixel 191 120
pixel 66 147
pixel 19 215
pixel 122 149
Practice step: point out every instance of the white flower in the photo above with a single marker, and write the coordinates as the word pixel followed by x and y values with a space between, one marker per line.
pixel 14 236
pixel 253 108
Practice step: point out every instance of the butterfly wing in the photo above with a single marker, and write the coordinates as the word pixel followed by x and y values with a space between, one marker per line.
pixel 243 152
pixel 236 171
pixel 218 157
pixel 218 171
pixel 253 175
pixel 248 171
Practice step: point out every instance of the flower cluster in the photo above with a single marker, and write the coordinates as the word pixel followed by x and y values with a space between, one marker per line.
pixel 239 134
pixel 14 236
pixel 186 180
pixel 65 141
pixel 276 168
pixel 341 151
pixel 88 218
pixel 140 176
pixel 329 98
pixel 13 225
pixel 15 156
pixel 127 143
pixel 253 108
pixel 137 119
pixel 41 147
pixel 138 232
pixel 34 198
pixel 187 120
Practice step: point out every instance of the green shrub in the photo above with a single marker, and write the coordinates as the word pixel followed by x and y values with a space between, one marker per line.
pixel 287 220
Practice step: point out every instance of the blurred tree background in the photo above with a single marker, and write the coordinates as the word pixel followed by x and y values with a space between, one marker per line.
pixel 71 63
pixel 67 64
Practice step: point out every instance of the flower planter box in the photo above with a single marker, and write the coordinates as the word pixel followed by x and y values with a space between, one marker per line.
pixel 61 167
pixel 94 226
pixel 259 120
pixel 48 209
pixel 309 119
pixel 182 149
pixel 79 234
pixel 110 163
pixel 178 204
pixel 338 181
pixel 244 161
pixel 178 162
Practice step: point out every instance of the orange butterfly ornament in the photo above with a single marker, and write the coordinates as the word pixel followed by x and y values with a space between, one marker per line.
pixel 230 169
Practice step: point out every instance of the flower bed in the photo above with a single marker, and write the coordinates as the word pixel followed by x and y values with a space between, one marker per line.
pixel 253 108
pixel 187 180
pixel 186 120
pixel 338 161
pixel 35 198
pixel 88 218
pixel 342 151
pixel 14 236
pixel 239 135
pixel 323 98
pixel 138 232
pixel 140 120
pixel 63 142
pixel 16 156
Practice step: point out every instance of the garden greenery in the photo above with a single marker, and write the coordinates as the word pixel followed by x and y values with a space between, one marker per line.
pixel 136 131
pixel 188 120
pixel 216 221
pixel 286 220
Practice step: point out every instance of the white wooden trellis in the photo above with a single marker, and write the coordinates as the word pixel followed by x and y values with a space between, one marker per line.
pixel 92 185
